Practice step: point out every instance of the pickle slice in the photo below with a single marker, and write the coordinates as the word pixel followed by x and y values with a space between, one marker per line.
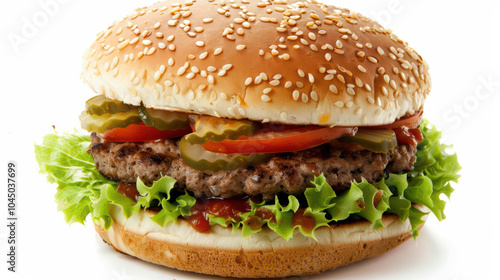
pixel 101 123
pixel 163 120
pixel 375 140
pixel 198 158
pixel 100 105
pixel 217 129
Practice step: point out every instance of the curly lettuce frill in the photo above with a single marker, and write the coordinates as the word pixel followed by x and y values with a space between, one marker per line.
pixel 82 190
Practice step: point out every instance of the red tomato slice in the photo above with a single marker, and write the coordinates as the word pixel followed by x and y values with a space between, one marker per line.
pixel 289 140
pixel 140 133
pixel 412 121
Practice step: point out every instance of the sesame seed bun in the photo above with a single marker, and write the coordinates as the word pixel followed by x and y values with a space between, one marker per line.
pixel 262 255
pixel 288 62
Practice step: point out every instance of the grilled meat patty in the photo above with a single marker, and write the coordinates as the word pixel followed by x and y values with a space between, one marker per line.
pixel 289 173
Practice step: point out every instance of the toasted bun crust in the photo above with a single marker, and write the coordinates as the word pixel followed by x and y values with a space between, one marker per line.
pixel 288 62
pixel 262 255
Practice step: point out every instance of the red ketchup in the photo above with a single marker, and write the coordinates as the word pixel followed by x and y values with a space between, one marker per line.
pixel 224 208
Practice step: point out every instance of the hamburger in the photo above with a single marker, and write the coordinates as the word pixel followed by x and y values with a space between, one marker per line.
pixel 251 139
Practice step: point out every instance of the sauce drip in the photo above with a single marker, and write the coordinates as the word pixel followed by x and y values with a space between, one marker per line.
pixel 299 218
pixel 224 208
pixel 410 136
pixel 128 190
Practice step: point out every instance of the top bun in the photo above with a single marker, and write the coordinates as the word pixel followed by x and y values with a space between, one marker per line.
pixel 271 61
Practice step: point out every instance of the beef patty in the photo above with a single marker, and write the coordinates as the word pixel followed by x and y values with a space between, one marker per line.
pixel 288 173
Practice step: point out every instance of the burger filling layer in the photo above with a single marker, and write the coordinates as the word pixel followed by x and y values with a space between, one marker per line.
pixel 243 174
pixel 289 173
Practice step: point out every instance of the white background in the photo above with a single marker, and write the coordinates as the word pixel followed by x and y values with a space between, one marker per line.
pixel 41 87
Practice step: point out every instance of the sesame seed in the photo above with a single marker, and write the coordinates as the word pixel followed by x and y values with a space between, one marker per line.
pixel 372 59
pixel 313 47
pixel 195 70
pixel 221 73
pixel 328 77
pixel 171 47
pixel 371 100
pixel 305 98
pixel 200 43
pixel 265 98
pixel 258 80
pixel 312 36
pixel 288 84
pixel 248 81
pixel 203 55
pixel 170 38
pixel 341 78
pixel 339 104
pixel 151 51
pixel 211 69
pixel 170 62
pixel 339 44
pixel 189 76
pixel 217 51
pixel 231 111
pixel 274 82
pixel 210 79
pixel 328 56
pixel 301 73
pixel 223 95
pixel 157 25
pixel 227 67
pixel 181 71
pixel 123 44
pixel 284 116
pixel 208 20
pixel 295 95
pixel 361 68
pixel 333 89
pixel 285 56
pixel 311 78
pixel 393 84
pixel 380 51
pixel 191 95
pixel 351 91
pixel 240 47
pixel 267 90
pixel 314 96
pixel 384 91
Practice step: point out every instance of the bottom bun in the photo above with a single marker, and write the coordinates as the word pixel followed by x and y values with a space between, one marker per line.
pixel 262 255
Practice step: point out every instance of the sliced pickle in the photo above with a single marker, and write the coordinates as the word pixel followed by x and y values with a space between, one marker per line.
pixel 198 158
pixel 217 129
pixel 100 105
pixel 375 140
pixel 163 120
pixel 100 124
